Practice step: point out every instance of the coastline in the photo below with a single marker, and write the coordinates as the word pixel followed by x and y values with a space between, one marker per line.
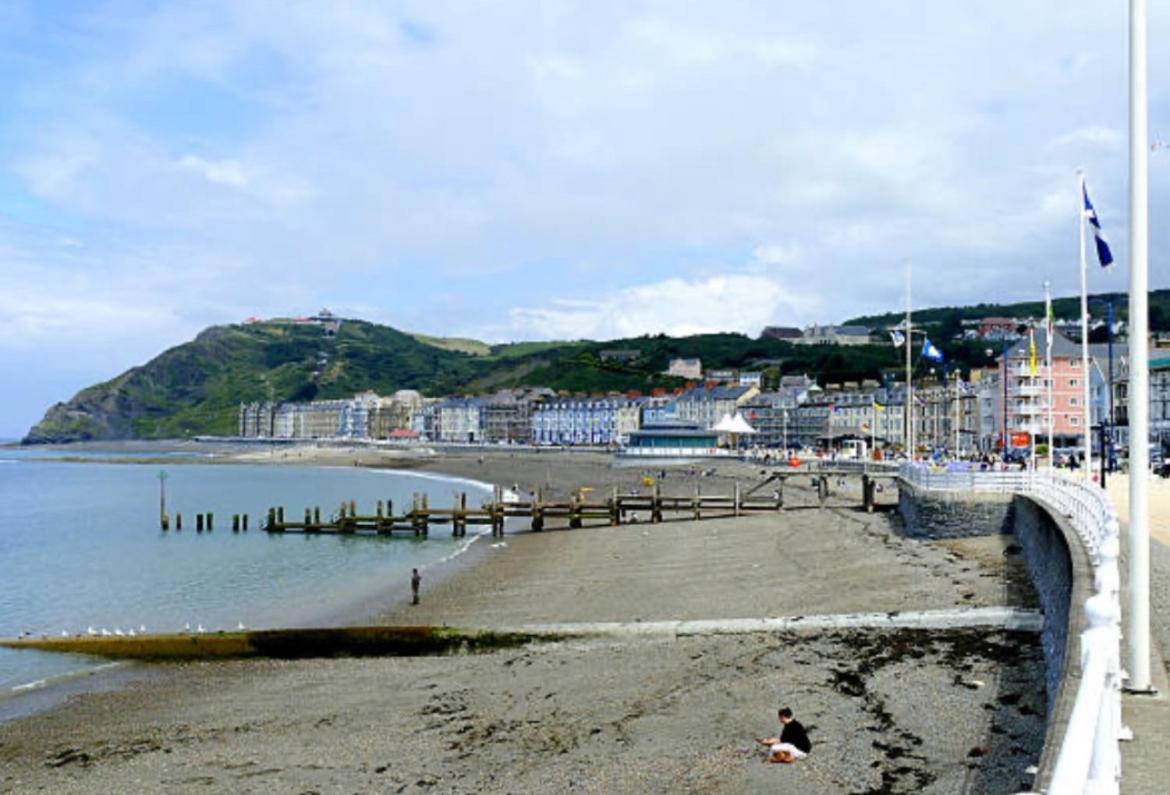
pixel 647 715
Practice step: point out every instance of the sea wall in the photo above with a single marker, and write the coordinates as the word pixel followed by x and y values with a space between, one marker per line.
pixel 953 514
pixel 1058 565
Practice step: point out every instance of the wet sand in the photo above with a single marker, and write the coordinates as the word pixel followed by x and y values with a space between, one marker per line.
pixel 887 711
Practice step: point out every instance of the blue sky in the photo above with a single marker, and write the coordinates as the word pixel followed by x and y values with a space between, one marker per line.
pixel 533 170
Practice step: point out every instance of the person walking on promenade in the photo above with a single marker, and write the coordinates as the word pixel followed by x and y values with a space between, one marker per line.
pixel 415 582
pixel 792 742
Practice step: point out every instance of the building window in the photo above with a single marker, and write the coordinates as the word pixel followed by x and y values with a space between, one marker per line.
pixel 1073 382
pixel 1074 420
pixel 1076 364
pixel 1074 402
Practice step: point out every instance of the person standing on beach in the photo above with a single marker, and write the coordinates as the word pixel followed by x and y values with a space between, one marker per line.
pixel 791 744
pixel 415 582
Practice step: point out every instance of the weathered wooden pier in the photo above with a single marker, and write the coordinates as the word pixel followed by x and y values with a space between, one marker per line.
pixel 574 511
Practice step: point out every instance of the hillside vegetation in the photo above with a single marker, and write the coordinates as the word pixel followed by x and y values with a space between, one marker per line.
pixel 196 388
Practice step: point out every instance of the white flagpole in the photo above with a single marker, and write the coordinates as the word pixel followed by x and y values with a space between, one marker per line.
pixel 909 378
pixel 1049 326
pixel 1086 410
pixel 1139 374
pixel 1032 379
pixel 957 414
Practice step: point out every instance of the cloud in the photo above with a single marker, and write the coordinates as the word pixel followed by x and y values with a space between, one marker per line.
pixel 743 302
pixel 580 163
pixel 1095 135
pixel 222 172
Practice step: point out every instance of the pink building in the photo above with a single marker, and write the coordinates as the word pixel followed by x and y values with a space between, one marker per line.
pixel 1027 394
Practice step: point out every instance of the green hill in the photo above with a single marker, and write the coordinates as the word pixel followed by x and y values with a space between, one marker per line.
pixel 196 388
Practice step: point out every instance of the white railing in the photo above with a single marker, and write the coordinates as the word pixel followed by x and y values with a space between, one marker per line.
pixel 1089 759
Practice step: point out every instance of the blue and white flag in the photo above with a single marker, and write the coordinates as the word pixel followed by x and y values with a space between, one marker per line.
pixel 1104 255
pixel 931 352
pixel 897 338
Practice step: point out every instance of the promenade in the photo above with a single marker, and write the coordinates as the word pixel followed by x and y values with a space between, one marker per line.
pixel 1145 763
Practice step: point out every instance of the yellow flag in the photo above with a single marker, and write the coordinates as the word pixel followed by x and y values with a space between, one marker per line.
pixel 1032 351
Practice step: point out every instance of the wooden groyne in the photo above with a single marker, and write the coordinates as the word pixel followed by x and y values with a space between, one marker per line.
pixel 575 510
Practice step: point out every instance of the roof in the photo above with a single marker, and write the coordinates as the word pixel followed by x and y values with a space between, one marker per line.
pixel 1062 346
pixel 715 393
pixel 781 332
pixel 852 331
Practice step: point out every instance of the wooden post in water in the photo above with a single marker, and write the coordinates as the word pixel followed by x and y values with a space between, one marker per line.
pixel 165 521
pixel 575 510
pixel 162 498
pixel 280 515
pixel 245 523
pixel 352 508
pixel 696 512
pixel 271 519
pixel 235 523
pixel 735 498
pixel 178 521
pixel 317 515
pixel 459 518
pixel 308 518
pixel 538 511
pixel 209 521
pixel 198 523
pixel 414 513
pixel 656 504
pixel 426 514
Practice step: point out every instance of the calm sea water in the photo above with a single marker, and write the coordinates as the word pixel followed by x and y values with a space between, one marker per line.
pixel 80 547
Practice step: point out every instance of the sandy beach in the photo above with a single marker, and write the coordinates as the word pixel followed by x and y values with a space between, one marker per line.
pixel 888 711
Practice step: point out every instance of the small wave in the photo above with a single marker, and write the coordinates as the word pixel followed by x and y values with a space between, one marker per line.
pixel 67 676
pixel 37 685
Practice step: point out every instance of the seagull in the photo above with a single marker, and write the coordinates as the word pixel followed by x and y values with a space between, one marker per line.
pixel 240 626
pixel 119 633
pixel 64 633
pixel 90 630
pixel 106 633
pixel 142 629
pixel 131 632
pixel 187 627
pixel 200 628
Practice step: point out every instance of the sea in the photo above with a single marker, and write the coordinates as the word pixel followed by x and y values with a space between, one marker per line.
pixel 81 550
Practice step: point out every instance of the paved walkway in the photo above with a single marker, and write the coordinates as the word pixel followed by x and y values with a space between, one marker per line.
pixel 1145 761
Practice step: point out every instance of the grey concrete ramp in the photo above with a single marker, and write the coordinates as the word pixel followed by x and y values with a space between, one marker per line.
pixel 991 617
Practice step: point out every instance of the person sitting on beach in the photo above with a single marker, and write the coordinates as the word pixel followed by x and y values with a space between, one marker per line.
pixel 791 744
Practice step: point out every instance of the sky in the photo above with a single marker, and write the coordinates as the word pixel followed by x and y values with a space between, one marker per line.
pixel 522 170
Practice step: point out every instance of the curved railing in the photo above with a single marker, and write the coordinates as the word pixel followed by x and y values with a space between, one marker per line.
pixel 1089 759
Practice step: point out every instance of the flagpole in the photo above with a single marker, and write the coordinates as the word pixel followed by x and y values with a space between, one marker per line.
pixel 1139 374
pixel 909 378
pixel 1032 375
pixel 957 450
pixel 1048 366
pixel 1086 410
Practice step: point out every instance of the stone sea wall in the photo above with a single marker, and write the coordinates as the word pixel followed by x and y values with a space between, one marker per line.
pixel 1054 558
